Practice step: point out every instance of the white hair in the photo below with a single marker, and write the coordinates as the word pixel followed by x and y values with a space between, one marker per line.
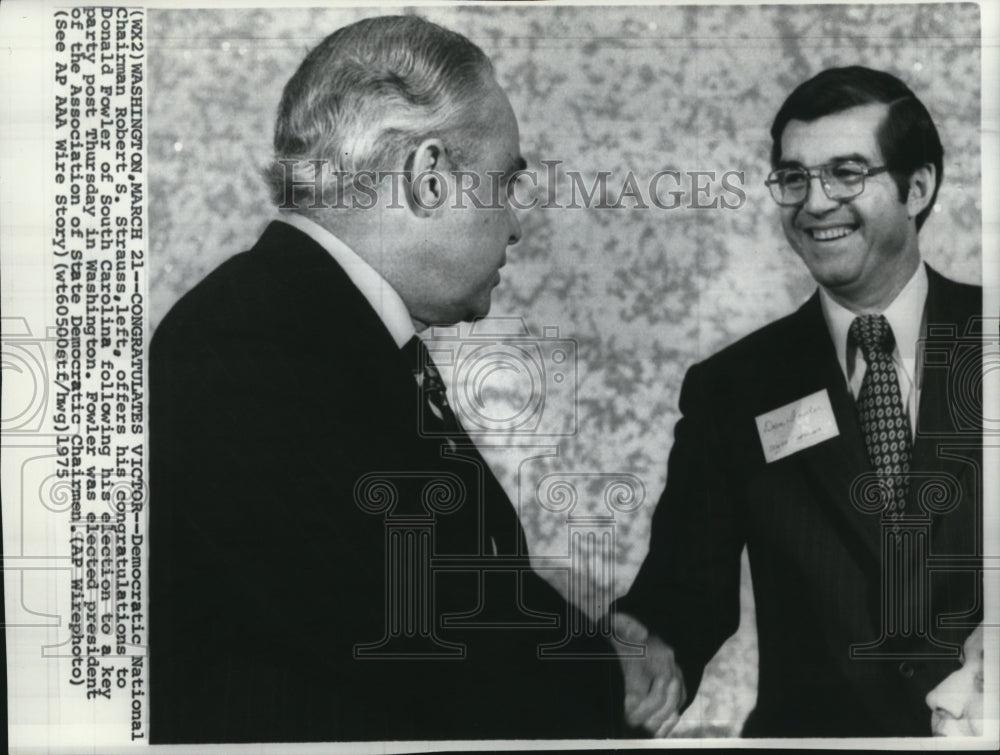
pixel 369 93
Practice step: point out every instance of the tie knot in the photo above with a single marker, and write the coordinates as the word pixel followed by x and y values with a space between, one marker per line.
pixel 873 334
pixel 422 365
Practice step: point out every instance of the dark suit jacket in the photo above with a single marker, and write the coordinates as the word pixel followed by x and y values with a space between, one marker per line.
pixel 815 556
pixel 284 446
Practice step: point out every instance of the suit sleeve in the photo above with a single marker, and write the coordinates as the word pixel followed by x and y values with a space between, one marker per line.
pixel 687 590
pixel 264 573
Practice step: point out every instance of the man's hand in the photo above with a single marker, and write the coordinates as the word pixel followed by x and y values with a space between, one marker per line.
pixel 654 685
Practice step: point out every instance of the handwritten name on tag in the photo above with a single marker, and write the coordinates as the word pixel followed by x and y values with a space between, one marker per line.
pixel 797 425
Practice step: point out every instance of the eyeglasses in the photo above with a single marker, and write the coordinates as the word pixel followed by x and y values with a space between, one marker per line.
pixel 840 180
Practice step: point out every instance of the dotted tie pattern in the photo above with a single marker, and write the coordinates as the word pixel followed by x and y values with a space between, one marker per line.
pixel 438 415
pixel 880 410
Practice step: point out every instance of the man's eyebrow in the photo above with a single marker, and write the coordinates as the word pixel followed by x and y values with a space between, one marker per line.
pixel 852 157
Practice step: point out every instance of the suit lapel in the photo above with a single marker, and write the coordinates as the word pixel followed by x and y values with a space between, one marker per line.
pixel 950 399
pixel 835 465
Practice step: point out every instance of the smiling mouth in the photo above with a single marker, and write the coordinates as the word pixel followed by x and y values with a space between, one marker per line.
pixel 830 234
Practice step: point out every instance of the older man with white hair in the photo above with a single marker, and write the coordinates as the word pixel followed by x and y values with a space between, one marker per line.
pixel 306 468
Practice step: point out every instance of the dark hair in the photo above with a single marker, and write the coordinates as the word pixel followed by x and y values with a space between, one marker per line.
pixel 907 136
pixel 374 89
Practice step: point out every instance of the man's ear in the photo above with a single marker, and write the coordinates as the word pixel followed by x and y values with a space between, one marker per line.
pixel 922 184
pixel 427 186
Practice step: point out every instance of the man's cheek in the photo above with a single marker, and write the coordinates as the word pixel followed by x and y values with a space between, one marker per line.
pixel 794 241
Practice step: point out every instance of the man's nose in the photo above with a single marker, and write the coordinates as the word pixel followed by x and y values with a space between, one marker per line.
pixel 951 695
pixel 817 202
pixel 515 227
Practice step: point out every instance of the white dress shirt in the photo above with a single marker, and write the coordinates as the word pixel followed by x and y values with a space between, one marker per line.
pixel 905 315
pixel 382 296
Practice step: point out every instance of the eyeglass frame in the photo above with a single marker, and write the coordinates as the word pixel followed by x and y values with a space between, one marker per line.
pixel 818 171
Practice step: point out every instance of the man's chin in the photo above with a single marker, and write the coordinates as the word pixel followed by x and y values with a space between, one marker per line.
pixel 447 321
pixel 830 270
pixel 840 280
pixel 480 309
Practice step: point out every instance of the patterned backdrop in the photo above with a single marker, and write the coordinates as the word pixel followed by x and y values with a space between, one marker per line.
pixel 636 293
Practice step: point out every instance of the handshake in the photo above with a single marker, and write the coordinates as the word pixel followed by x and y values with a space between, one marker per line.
pixel 655 692
pixel 654 683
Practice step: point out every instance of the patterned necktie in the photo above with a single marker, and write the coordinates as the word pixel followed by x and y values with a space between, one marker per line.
pixel 880 409
pixel 438 418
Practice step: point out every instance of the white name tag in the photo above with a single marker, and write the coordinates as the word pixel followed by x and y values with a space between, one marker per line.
pixel 797 425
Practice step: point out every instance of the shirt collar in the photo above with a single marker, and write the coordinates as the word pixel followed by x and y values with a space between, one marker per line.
pixel 905 316
pixel 386 302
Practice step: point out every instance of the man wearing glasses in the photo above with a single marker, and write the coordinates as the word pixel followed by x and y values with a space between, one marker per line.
pixel 830 444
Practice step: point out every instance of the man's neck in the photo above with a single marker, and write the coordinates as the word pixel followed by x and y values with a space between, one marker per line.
pixel 383 297
pixel 348 229
pixel 877 299
pixel 358 235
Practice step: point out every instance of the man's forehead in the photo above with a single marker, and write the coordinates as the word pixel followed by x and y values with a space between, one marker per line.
pixel 848 134
pixel 502 138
